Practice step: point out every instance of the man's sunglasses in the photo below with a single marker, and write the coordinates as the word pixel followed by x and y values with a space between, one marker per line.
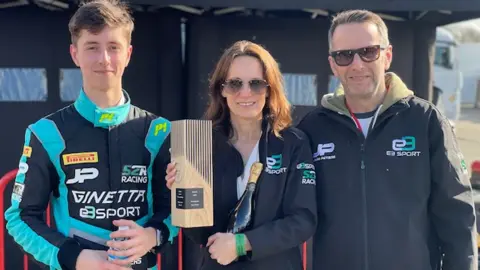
pixel 235 85
pixel 367 54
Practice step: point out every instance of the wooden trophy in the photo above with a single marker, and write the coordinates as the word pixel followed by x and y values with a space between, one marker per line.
pixel 192 191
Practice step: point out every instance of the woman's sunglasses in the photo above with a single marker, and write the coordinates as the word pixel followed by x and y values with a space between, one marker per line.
pixel 235 85
pixel 367 54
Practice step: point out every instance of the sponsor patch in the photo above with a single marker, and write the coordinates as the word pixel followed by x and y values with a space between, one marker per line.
pixel 134 174
pixel 325 151
pixel 27 151
pixel 22 168
pixel 305 166
pixel 404 147
pixel 274 165
pixel 83 174
pixel 160 127
pixel 80 158
pixel 309 177
pixel 106 118
pixel 18 191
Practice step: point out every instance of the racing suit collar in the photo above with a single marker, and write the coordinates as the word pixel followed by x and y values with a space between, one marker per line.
pixel 102 117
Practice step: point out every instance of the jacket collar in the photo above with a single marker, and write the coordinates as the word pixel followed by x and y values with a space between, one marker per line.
pixel 99 117
pixel 397 91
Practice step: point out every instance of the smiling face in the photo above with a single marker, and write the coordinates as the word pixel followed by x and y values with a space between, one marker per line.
pixel 247 85
pixel 360 78
pixel 245 88
pixel 102 57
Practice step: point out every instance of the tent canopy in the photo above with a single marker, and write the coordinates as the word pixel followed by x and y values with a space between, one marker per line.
pixel 437 12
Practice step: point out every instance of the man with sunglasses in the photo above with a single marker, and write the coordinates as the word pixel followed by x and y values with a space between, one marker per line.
pixel 392 184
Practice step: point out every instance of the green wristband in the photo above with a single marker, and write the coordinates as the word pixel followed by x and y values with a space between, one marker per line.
pixel 240 244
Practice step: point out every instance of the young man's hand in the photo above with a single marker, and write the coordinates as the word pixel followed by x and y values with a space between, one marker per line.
pixel 140 241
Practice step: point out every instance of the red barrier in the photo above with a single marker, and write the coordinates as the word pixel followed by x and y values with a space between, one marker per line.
pixel 25 262
pixel 180 250
pixel 476 166
pixel 475 177
pixel 4 181
pixel 3 184
pixel 304 255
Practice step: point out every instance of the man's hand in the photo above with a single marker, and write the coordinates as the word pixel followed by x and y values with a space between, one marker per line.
pixel 95 259
pixel 140 241
pixel 222 247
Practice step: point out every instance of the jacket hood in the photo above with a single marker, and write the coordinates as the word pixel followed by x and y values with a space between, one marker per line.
pixel 397 90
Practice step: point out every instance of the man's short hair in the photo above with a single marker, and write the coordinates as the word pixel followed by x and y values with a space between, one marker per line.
pixel 359 16
pixel 95 15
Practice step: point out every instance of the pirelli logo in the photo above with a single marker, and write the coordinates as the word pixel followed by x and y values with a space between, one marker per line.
pixel 79 158
pixel 27 151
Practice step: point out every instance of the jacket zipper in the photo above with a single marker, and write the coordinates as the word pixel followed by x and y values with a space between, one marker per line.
pixel 364 183
pixel 364 203
pixel 110 167
pixel 263 152
pixel 364 192
pixel 110 157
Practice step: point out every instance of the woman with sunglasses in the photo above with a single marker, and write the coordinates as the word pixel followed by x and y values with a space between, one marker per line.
pixel 252 123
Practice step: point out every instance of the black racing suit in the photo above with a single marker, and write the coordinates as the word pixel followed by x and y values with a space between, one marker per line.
pixel 100 165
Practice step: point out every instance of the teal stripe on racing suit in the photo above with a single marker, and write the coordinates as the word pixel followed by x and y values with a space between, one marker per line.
pixel 40 246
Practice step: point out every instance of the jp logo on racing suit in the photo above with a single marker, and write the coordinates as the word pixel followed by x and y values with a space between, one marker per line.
pixel 83 174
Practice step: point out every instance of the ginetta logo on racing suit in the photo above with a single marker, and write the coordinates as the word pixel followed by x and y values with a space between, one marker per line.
pixel 128 198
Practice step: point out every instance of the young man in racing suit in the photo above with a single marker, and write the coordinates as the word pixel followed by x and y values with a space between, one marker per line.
pixel 102 158
pixel 392 185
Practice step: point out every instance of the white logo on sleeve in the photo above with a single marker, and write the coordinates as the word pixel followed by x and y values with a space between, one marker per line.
pixel 18 191
pixel 22 168
pixel 83 174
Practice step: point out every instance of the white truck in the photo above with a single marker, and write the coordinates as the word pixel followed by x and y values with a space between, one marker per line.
pixel 447 78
